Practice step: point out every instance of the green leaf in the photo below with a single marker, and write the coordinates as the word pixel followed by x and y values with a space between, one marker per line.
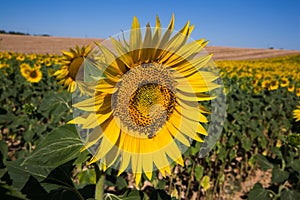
pixel 294 139
pixel 121 183
pixel 83 156
pixel 277 152
pixel 290 195
pixel 246 144
pixel 55 103
pixel 3 153
pixel 60 146
pixel 86 177
pixel 134 195
pixel 258 193
pixel 295 164
pixel 198 172
pixel 263 162
pixel 278 175
pixel 9 193
pixel 20 173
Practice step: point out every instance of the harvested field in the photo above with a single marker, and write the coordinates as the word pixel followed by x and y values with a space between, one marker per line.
pixel 53 45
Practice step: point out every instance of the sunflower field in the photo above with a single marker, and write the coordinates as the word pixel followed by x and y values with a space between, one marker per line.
pixel 43 155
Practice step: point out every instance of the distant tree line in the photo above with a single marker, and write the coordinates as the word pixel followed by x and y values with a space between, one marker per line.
pixel 20 33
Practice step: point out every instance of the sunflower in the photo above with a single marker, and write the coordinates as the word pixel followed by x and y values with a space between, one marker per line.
pixel 265 84
pixel 298 92
pixel 297 113
pixel 25 69
pixel 291 88
pixel 31 74
pixel 71 63
pixel 146 107
pixel 284 82
pixel 34 75
pixel 274 84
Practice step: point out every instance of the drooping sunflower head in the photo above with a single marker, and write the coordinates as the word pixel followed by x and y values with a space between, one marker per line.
pixel 69 74
pixel 147 104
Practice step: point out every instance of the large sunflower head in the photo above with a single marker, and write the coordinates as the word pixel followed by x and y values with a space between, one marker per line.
pixel 147 104
pixel 69 74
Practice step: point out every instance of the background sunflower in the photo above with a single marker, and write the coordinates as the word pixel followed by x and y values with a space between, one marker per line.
pixel 69 74
pixel 31 74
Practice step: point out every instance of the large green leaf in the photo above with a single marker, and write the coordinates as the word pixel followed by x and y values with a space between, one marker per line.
pixel 290 195
pixel 278 175
pixel 21 173
pixel 258 193
pixel 60 146
pixel 263 162
pixel 295 164
pixel 56 103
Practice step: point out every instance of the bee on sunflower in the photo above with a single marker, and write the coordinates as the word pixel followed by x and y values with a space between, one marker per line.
pixel 146 106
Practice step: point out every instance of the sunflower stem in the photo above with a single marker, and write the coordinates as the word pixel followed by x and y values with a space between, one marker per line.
pixel 100 178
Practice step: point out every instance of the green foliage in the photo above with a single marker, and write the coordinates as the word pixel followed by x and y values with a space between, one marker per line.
pixel 285 165
pixel 40 153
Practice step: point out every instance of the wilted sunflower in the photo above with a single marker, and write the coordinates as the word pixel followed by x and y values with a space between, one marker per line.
pixel 71 63
pixel 297 113
pixel 146 107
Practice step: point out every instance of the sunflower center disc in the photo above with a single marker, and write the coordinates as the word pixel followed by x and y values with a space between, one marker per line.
pixel 145 99
pixel 74 66
pixel 33 74
pixel 151 101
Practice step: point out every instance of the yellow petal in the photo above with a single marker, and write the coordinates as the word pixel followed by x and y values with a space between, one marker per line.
pixel 201 130
pixel 123 53
pixel 91 104
pixel 135 41
pixel 125 161
pixel 167 34
pixel 193 66
pixel 91 121
pixel 177 134
pixel 111 132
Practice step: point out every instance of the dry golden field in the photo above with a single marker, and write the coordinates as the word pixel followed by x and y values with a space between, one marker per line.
pixel 53 45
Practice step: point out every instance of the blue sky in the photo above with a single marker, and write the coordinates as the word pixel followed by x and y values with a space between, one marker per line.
pixel 237 23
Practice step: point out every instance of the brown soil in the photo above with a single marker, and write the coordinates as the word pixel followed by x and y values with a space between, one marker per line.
pixel 54 45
